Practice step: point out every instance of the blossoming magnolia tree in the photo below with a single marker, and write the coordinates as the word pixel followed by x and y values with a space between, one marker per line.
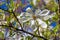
pixel 29 20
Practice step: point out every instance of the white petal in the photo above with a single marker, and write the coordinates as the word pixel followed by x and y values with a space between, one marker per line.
pixel 42 23
pixel 46 17
pixel 28 9
pixel 35 29
pixel 41 34
pixel 39 21
pixel 3 17
pixel 22 14
pixel 32 22
pixel 47 12
pixel 34 2
pixel 49 16
pixel 19 27
pixel 18 17
pixel 14 36
pixel 27 20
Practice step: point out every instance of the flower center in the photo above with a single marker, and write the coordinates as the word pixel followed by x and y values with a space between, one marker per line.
pixel 34 17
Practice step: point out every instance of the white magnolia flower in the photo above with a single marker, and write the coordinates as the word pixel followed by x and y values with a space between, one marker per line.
pixel 33 17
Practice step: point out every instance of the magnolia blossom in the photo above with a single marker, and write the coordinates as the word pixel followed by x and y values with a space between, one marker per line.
pixel 33 17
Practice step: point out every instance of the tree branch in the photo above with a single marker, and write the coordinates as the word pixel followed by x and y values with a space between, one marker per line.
pixel 14 16
pixel 25 32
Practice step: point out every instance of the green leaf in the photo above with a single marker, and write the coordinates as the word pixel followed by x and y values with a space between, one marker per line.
pixel 39 38
pixel 11 6
pixel 28 38
pixel 52 6
pixel 56 28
